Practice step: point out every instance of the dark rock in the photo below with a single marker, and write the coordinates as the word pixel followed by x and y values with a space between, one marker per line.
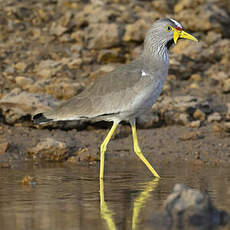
pixel 188 207
pixel 110 55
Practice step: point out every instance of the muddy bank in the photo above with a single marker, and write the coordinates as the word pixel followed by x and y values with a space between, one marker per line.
pixel 208 144
pixel 52 50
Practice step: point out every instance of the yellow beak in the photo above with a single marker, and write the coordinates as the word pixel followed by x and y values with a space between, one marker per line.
pixel 182 34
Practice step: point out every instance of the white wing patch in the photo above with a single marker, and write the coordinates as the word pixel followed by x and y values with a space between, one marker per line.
pixel 176 23
pixel 143 73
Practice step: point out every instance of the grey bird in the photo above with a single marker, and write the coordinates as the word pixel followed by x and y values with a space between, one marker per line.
pixel 126 92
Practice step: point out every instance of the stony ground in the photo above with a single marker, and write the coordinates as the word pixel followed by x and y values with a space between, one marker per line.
pixel 51 50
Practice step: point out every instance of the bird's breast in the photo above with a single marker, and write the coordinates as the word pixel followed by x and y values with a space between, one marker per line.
pixel 146 93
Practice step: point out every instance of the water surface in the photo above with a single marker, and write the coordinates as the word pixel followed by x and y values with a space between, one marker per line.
pixel 68 197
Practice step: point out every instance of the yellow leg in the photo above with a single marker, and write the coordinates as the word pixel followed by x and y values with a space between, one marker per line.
pixel 140 201
pixel 103 149
pixel 105 212
pixel 137 150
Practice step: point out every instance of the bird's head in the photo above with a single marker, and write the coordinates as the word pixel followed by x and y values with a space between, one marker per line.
pixel 165 33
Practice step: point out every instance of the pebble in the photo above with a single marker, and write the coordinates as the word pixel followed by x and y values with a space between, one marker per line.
pixel 24 82
pixel 226 126
pixel 191 136
pixel 103 36
pixel 195 124
pixel 214 117
pixel 199 115
pixel 226 86
pixel 3 146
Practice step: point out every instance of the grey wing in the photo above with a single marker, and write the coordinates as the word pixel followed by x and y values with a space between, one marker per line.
pixel 109 95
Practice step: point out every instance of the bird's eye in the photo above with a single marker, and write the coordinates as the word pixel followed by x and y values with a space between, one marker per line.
pixel 168 28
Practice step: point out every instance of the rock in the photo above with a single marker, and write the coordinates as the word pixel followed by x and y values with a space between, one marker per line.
pixel 101 71
pixel 212 37
pixel 228 111
pixel 194 85
pixel 218 76
pixel 24 82
pixel 84 154
pixel 149 120
pixel 110 55
pixel 184 102
pixel 195 77
pixel 5 165
pixel 207 16
pixel 219 51
pixel 58 29
pixel 48 68
pixel 182 109
pixel 86 17
pixel 175 110
pixel 72 63
pixel 17 105
pixel 28 180
pixel 79 36
pixel 226 126
pixel 222 127
pixel 76 49
pixel 3 146
pixel 63 90
pixel 186 207
pixel 205 107
pixel 199 115
pixel 191 50
pixel 50 149
pixel 183 118
pixel 103 36
pixel 136 31
pixel 20 66
pixel 195 124
pixel 181 66
pixel 217 127
pixel 214 117
pixel 186 4
pixel 191 136
pixel 226 86
pixel 165 6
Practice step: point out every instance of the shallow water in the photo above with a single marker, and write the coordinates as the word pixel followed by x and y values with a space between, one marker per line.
pixel 67 196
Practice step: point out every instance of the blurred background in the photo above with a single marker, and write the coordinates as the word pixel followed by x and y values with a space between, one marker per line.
pixel 58 47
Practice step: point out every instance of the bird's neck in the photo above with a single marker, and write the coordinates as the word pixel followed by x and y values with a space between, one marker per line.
pixel 156 52
pixel 155 58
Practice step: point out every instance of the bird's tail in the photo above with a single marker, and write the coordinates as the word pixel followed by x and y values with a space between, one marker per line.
pixel 41 118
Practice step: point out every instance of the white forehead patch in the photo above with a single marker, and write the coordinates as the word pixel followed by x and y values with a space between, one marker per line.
pixel 176 23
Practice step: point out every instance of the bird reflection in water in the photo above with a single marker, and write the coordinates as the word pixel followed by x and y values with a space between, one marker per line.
pixel 138 203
